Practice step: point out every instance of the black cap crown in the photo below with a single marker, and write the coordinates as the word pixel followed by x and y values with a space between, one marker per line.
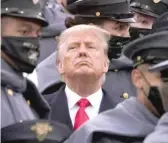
pixel 118 10
pixel 35 131
pixel 152 8
pixel 23 9
pixel 150 49
pixel 161 24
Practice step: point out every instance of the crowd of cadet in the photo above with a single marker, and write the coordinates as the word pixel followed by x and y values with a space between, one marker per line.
pixel 84 71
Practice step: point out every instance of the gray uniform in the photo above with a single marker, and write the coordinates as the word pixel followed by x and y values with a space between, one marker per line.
pixel 118 80
pixel 13 105
pixel 160 135
pixel 16 107
pixel 47 74
pixel 56 19
pixel 122 121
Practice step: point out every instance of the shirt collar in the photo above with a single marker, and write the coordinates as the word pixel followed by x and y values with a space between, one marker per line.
pixel 94 99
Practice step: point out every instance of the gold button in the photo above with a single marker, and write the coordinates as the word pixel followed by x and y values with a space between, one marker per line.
pixel 28 102
pixel 97 13
pixel 125 96
pixel 10 92
pixel 116 70
pixel 139 58
pixel 156 1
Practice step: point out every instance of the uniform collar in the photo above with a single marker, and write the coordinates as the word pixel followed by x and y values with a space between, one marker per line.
pixel 12 78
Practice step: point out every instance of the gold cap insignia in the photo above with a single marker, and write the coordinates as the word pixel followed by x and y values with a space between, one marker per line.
pixel 125 96
pixel 156 1
pixel 41 129
pixel 10 92
pixel 28 102
pixel 97 13
pixel 139 58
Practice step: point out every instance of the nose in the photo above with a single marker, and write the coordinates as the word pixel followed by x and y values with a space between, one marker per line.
pixel 83 50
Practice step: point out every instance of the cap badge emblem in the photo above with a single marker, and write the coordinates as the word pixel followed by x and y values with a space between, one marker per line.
pixel 41 129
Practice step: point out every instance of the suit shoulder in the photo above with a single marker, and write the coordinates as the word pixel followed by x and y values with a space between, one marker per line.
pixel 49 98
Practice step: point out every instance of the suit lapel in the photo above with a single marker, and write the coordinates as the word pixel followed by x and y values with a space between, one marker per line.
pixel 60 111
pixel 59 108
pixel 106 103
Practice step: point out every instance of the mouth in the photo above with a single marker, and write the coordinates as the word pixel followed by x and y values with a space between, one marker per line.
pixel 82 63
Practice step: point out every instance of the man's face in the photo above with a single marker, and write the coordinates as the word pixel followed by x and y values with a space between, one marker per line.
pixel 143 21
pixel 143 79
pixel 82 54
pixel 116 28
pixel 19 27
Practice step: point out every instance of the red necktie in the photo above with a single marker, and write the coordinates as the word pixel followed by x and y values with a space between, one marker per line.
pixel 81 115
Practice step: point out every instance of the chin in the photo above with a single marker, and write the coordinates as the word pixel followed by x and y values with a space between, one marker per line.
pixel 84 73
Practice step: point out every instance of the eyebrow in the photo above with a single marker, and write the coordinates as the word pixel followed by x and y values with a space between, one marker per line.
pixel 77 43
pixel 27 25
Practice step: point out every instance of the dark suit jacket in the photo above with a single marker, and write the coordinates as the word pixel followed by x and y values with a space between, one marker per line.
pixel 59 106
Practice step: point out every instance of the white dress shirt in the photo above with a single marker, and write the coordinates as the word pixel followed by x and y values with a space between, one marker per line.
pixel 92 110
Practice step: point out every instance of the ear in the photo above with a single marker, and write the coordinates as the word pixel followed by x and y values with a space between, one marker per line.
pixel 57 38
pixel 137 78
pixel 59 66
pixel 106 66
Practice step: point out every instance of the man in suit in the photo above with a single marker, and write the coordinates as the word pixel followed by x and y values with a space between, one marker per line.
pixel 107 15
pixel 161 130
pixel 133 119
pixel 82 62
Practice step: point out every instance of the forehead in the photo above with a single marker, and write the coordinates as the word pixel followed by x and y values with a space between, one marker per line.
pixel 143 16
pixel 83 36
pixel 20 22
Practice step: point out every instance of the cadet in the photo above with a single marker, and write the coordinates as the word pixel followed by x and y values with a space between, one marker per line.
pixel 133 119
pixel 55 14
pixel 160 135
pixel 35 131
pixel 146 12
pixel 21 24
pixel 120 80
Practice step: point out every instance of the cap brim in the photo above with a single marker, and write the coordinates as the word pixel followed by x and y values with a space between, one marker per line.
pixel 126 20
pixel 159 67
pixel 145 12
pixel 33 17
